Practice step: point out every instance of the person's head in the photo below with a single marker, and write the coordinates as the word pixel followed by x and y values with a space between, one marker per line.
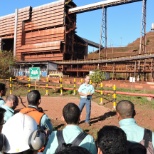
pixel 71 113
pixel 2 89
pixel 34 97
pixel 12 101
pixel 74 150
pixel 2 111
pixel 22 135
pixel 125 109
pixel 87 79
pixel 111 140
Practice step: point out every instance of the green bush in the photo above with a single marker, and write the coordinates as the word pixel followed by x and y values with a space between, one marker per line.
pixel 6 61
pixel 97 77
pixel 69 92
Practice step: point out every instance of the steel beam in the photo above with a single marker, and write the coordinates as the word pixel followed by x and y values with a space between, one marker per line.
pixel 142 47
pixel 100 61
pixel 99 5
pixel 103 34
pixel 15 32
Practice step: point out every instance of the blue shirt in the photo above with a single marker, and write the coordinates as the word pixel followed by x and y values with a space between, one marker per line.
pixel 45 121
pixel 133 131
pixel 8 113
pixel 86 88
pixel 2 102
pixel 70 132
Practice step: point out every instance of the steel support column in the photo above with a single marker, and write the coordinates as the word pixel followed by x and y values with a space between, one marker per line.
pixel 15 32
pixel 142 47
pixel 103 33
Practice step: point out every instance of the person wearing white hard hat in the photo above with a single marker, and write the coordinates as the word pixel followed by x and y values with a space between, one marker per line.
pixel 23 135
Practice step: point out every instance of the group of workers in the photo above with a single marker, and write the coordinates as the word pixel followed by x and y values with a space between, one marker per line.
pixel 30 130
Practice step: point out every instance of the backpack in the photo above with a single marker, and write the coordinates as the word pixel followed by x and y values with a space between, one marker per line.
pixel 62 145
pixel 2 142
pixel 147 141
pixel 135 148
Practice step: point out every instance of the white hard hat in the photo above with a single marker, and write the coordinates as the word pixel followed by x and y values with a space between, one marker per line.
pixel 17 131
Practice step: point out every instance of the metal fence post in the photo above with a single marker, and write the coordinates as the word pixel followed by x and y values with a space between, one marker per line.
pixel 114 96
pixel 47 84
pixel 74 88
pixel 29 84
pixel 101 99
pixel 61 86
pixel 10 85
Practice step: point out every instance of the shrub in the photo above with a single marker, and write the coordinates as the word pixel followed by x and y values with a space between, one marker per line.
pixel 6 62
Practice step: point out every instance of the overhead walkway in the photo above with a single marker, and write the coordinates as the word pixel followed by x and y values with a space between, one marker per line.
pixel 99 5
pixel 93 44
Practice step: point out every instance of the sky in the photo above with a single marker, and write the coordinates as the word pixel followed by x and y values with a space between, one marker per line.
pixel 123 22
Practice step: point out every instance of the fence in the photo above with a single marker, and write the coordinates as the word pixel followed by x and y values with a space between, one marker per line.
pixel 61 87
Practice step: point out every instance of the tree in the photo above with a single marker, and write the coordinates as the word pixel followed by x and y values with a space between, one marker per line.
pixel 97 77
pixel 6 61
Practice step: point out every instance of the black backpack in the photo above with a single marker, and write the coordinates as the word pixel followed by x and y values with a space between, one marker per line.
pixel 147 141
pixel 62 145
pixel 135 148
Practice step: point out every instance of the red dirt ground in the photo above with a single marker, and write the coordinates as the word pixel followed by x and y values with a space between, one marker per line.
pixel 100 115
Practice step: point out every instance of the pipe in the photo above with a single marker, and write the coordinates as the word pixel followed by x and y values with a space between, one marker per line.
pixel 127 93
pixel 113 60
pixel 15 32
pixel 99 5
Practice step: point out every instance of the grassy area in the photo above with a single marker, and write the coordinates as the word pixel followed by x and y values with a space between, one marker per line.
pixel 20 89
pixel 108 99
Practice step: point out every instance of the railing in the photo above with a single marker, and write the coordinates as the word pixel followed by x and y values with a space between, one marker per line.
pixel 60 86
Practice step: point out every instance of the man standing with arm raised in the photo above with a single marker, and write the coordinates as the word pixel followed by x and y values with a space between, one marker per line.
pixel 86 91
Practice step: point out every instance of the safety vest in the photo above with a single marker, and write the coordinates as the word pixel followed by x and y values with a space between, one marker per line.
pixel 34 113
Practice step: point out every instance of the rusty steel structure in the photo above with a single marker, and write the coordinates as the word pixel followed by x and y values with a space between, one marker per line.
pixel 126 66
pixel 45 36
pixel 139 66
pixel 44 33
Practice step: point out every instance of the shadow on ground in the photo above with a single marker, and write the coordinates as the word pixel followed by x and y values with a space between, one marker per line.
pixel 101 118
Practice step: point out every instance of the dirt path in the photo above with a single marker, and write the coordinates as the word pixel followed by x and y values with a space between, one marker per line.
pixel 100 115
